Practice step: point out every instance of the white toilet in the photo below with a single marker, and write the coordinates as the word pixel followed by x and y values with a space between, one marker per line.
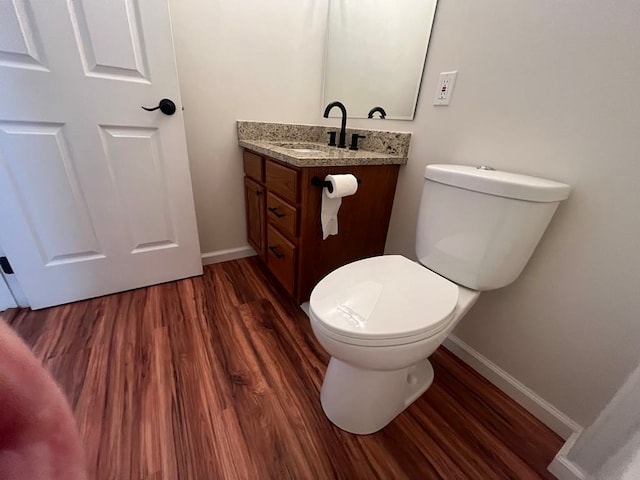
pixel 380 318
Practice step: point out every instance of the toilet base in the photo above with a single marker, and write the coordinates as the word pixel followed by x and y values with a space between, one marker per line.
pixel 364 401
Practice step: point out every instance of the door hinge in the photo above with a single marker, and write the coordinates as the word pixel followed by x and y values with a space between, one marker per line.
pixel 6 266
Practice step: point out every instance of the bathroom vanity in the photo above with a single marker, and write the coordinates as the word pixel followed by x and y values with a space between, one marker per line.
pixel 283 205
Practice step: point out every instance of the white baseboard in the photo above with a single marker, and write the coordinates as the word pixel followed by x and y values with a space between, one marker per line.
pixel 528 399
pixel 562 467
pixel 225 255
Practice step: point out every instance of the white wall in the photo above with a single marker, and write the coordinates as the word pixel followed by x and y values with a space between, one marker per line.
pixel 533 95
pixel 248 60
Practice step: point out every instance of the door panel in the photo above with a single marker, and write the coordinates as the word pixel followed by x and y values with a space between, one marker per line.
pixel 36 160
pixel 108 37
pixel 135 160
pixel 95 193
pixel 20 44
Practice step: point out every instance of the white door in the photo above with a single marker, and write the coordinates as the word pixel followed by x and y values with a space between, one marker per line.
pixel 95 192
pixel 6 298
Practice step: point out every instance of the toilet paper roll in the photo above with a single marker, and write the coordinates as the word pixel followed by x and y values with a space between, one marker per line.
pixel 342 186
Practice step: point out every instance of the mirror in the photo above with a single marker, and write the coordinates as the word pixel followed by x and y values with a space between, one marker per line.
pixel 376 50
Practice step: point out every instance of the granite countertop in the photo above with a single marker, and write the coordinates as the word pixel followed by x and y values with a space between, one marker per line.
pixel 322 155
pixel 287 142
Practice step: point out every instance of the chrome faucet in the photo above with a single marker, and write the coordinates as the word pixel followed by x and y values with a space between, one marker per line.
pixel 342 141
pixel 380 110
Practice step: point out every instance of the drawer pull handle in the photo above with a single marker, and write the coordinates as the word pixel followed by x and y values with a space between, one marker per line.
pixel 275 211
pixel 275 251
pixel 258 192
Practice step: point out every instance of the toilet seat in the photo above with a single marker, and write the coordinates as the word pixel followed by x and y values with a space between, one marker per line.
pixel 385 300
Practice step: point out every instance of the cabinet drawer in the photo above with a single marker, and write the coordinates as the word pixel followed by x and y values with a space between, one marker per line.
pixel 253 166
pixel 282 180
pixel 282 215
pixel 281 258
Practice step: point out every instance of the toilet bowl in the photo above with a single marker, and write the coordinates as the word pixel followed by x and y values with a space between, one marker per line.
pixel 379 367
pixel 380 318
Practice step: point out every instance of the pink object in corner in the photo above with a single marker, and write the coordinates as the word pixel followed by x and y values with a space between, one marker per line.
pixel 38 435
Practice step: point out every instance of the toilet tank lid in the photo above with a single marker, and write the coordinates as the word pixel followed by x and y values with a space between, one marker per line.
pixel 496 182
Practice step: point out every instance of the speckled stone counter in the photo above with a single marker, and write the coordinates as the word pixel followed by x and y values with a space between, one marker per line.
pixel 278 140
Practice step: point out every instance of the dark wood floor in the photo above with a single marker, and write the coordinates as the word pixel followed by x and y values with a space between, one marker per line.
pixel 218 377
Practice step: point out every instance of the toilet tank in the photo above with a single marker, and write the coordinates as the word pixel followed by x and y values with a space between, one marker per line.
pixel 478 227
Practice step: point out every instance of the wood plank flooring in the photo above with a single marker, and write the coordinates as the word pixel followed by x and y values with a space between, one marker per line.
pixel 218 377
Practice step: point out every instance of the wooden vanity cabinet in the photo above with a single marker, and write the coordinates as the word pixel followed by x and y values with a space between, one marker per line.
pixel 283 219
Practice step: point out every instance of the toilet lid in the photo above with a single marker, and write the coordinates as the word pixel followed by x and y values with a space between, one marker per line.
pixel 383 298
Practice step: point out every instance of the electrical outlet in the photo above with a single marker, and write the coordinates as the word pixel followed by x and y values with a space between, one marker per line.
pixel 446 81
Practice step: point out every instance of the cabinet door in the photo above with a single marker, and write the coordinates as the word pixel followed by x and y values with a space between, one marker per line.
pixel 254 201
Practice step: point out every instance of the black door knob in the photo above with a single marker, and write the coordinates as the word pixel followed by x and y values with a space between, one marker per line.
pixel 166 106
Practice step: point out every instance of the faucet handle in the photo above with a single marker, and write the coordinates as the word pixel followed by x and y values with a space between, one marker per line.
pixel 332 139
pixel 354 141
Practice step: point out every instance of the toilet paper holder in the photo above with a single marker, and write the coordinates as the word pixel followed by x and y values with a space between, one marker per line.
pixel 318 182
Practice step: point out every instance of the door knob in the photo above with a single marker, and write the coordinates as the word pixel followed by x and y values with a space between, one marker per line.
pixel 166 106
